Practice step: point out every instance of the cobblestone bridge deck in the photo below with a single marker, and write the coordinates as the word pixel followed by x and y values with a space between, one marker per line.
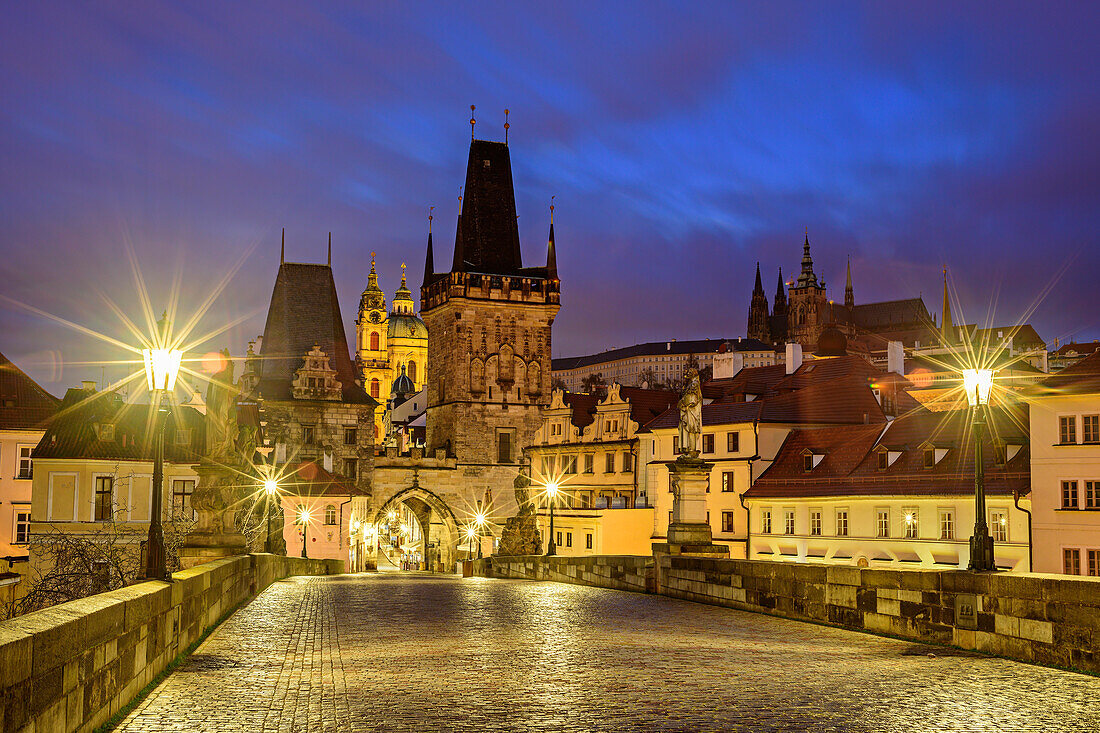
pixel 396 652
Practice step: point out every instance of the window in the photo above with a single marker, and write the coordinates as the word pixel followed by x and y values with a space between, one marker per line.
pixel 570 465
pixel 1092 494
pixel 25 468
pixel 929 457
pixel 23 527
pixel 807 462
pixel 628 462
pixel 947 524
pixel 882 461
pixel 589 463
pixel 1071 561
pixel 998 525
pixel 1094 562
pixel 815 522
pixel 374 341
pixel 912 523
pixel 708 442
pixel 841 522
pixel 558 539
pixel 883 522
pixel 308 434
pixel 1069 494
pixel 733 442
pixel 1090 428
pixel 375 388
pixel 411 371
pixel 182 489
pixel 727 521
pixel 504 449
pixel 351 436
pixel 675 445
pixel 547 465
pixel 104 498
pixel 330 514
pixel 588 541
pixel 766 521
pixel 727 481
pixel 609 462
pixel 351 468
pixel 1067 429
pixel 568 539
pixel 788 521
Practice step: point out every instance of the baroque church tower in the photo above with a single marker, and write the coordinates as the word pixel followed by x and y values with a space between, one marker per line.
pixel 370 329
pixel 488 322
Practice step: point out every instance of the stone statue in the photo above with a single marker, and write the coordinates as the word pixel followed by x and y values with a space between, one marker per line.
pixel 523 496
pixel 691 415
pixel 221 413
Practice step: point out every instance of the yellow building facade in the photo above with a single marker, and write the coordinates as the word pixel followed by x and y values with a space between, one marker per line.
pixel 387 340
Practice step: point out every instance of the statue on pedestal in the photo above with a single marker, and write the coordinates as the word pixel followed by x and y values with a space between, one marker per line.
pixel 691 415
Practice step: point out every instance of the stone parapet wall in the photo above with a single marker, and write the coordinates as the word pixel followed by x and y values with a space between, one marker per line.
pixel 1047 619
pixel 72 666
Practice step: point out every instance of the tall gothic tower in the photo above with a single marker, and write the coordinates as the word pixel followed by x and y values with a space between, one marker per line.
pixel 807 310
pixel 758 312
pixel 488 322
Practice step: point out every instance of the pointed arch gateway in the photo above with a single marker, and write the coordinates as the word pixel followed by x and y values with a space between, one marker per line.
pixel 440 528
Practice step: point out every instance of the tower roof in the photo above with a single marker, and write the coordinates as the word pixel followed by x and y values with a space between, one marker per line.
pixel 487 238
pixel 23 403
pixel 807 278
pixel 305 311
pixel 759 287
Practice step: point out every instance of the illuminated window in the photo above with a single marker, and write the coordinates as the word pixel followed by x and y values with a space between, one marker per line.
pixel 568 539
pixel 727 521
pixel 815 522
pixel 609 462
pixel 25 470
pixel 588 541
pixel 708 442
pixel 23 526
pixel 912 524
pixel 1092 494
pixel 727 481
pixel 733 442
pixel 883 522
pixel 788 521
pixel 766 521
pixel 1071 561
pixel 947 524
pixel 182 489
pixel 1094 562
pixel 1090 428
pixel 330 514
pixel 557 540
pixel 628 462
pixel 998 525
pixel 1067 429
pixel 1069 494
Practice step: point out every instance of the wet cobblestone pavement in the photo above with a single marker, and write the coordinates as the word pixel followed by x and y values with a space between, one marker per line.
pixel 392 652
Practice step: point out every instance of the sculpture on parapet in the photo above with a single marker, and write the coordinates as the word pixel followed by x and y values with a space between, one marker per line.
pixel 691 415
pixel 520 535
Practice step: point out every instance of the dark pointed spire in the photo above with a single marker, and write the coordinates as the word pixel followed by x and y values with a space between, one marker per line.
pixel 458 264
pixel 849 295
pixel 282 248
pixel 758 312
pixel 947 327
pixel 780 295
pixel 759 287
pixel 429 258
pixel 487 236
pixel 807 278
pixel 551 253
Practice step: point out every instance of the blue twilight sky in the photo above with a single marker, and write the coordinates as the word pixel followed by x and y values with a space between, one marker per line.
pixel 684 143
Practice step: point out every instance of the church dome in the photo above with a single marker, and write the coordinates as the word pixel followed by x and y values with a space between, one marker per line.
pixel 402 386
pixel 401 325
pixel 831 343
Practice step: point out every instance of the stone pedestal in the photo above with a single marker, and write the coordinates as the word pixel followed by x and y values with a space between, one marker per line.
pixel 215 500
pixel 689 533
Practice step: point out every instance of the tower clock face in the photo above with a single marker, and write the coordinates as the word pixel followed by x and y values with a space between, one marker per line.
pixel 374 317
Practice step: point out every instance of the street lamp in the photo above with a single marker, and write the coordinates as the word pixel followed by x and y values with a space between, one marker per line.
pixel 471 534
pixel 480 521
pixel 162 364
pixel 552 491
pixel 271 490
pixel 977 383
pixel 303 519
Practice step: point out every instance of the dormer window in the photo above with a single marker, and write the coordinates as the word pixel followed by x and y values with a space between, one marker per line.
pixel 882 460
pixel 105 431
pixel 886 457
pixel 933 454
pixel 929 457
pixel 811 460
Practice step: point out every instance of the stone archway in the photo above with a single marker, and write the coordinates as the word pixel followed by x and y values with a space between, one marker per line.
pixel 432 512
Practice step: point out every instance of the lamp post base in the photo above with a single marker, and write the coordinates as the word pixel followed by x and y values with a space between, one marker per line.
pixel 981 553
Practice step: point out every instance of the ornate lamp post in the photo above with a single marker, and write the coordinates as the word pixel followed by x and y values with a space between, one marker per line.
pixel 162 365
pixel 303 519
pixel 480 521
pixel 977 383
pixel 271 490
pixel 552 491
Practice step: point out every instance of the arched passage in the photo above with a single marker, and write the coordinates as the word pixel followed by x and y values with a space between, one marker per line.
pixel 440 531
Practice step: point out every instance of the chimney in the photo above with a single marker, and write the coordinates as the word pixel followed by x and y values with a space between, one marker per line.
pixel 727 364
pixel 88 385
pixel 895 358
pixel 794 357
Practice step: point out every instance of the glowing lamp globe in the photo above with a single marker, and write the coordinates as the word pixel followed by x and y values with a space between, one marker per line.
pixel 271 486
pixel 977 383
pixel 161 368
pixel 552 489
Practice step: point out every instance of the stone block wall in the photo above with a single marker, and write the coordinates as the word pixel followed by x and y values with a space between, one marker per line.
pixel 71 667
pixel 1047 619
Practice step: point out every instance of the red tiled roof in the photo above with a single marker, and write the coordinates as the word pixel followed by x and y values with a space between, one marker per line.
pixel 716 413
pixel 584 407
pixel 1080 378
pixel 23 404
pixel 1076 348
pixel 646 404
pixel 823 370
pixel 308 478
pixel 750 380
pixel 846 400
pixel 850 463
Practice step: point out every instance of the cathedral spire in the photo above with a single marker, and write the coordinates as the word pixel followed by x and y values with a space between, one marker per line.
pixel 807 276
pixel 758 312
pixel 759 287
pixel 429 258
pixel 780 295
pixel 551 253
pixel 849 295
pixel 947 327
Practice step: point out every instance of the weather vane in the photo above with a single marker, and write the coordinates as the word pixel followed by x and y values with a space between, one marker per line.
pixel 552 210
pixel 472 121
pixel 506 125
pixel 430 217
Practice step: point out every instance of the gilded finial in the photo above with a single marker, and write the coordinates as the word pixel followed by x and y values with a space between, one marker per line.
pixel 506 125
pixel 472 122
pixel 372 263
pixel 430 217
pixel 402 274
pixel 552 210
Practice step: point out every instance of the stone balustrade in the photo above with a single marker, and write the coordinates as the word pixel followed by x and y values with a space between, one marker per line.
pixel 73 666
pixel 1047 619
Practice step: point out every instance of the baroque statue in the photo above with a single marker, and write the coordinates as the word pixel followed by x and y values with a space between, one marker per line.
pixel 691 415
